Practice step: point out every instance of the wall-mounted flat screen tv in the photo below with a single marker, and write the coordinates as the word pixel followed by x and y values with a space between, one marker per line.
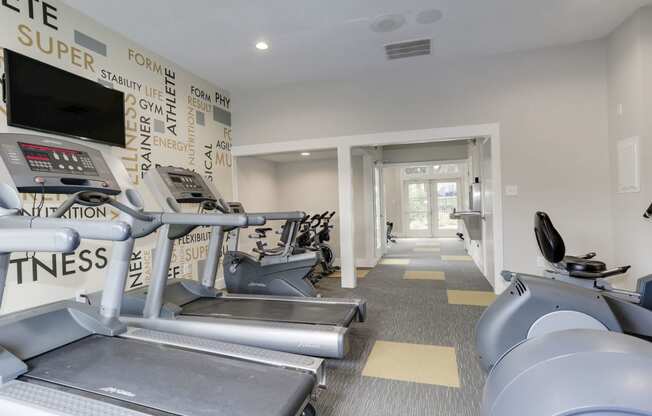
pixel 48 99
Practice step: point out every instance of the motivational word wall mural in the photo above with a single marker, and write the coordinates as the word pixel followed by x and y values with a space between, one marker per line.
pixel 171 118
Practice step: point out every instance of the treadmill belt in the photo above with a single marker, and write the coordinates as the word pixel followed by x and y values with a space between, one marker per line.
pixel 172 380
pixel 273 310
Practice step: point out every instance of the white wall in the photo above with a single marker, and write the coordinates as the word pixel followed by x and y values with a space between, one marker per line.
pixel 257 184
pixel 426 152
pixel 629 84
pixel 309 186
pixel 551 105
pixel 258 191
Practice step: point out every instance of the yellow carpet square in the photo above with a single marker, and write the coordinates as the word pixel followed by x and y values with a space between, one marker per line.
pixel 424 275
pixel 470 297
pixel 456 258
pixel 395 262
pixel 427 250
pixel 417 363
pixel 360 273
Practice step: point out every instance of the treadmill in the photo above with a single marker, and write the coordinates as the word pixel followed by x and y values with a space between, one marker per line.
pixel 72 359
pixel 312 326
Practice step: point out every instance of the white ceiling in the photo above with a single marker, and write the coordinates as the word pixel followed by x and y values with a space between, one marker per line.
pixel 332 39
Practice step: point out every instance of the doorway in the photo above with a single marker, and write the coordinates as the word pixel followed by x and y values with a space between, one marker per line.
pixel 395 148
pixel 428 205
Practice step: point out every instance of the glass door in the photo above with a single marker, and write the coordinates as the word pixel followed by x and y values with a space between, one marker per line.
pixel 445 197
pixel 417 209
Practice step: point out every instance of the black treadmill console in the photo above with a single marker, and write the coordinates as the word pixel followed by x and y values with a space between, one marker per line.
pixel 42 164
pixel 236 208
pixel 185 185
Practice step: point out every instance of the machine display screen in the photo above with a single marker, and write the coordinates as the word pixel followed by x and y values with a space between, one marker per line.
pixel 184 181
pixel 57 160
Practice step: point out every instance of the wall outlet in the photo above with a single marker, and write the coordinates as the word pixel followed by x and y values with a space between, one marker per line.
pixel 511 190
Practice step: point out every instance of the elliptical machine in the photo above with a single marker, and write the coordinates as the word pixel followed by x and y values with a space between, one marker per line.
pixel 574 330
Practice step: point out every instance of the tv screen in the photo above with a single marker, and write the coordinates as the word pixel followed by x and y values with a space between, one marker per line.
pixel 42 97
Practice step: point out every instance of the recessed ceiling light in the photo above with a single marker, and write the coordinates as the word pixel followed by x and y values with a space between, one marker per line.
pixel 305 153
pixel 262 46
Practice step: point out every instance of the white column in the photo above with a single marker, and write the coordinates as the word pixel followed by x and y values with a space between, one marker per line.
pixel 347 225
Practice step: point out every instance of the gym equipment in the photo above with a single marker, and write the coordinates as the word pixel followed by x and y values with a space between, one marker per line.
pixel 314 236
pixel 579 372
pixel 71 358
pixel 323 237
pixel 311 326
pixel 534 305
pixel 280 271
pixel 591 339
pixel 581 270
pixel 389 236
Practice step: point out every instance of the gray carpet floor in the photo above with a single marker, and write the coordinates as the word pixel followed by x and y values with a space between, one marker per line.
pixel 412 311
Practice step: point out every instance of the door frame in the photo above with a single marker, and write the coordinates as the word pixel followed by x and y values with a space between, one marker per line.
pixel 345 144
pixel 379 215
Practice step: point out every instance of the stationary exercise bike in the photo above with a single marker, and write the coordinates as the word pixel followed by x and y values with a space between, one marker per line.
pixel 277 271
pixel 314 236
pixel 323 236
pixel 572 294
pixel 563 347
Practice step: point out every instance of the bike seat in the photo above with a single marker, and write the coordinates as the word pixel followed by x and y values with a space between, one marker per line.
pixel 262 230
pixel 578 264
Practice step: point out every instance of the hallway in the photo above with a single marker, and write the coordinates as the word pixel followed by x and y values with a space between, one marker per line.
pixel 415 354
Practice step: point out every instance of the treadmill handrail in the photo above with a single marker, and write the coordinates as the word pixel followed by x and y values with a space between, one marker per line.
pixel 280 216
pixel 60 239
pixel 87 229
pixel 223 220
pixel 20 239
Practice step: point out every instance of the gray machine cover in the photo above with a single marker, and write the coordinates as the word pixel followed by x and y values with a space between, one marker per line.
pixel 572 373
pixel 506 322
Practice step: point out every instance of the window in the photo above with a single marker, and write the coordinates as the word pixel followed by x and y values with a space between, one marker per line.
pixel 447 169
pixel 416 170
pixel 439 171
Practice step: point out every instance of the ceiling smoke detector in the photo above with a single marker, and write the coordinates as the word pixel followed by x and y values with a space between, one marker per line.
pixel 388 23
pixel 408 49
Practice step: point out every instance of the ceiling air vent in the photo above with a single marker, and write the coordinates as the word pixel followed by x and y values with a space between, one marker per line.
pixel 408 49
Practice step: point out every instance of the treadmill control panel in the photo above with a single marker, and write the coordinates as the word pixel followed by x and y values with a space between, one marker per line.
pixel 185 185
pixel 46 165
pixel 57 159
